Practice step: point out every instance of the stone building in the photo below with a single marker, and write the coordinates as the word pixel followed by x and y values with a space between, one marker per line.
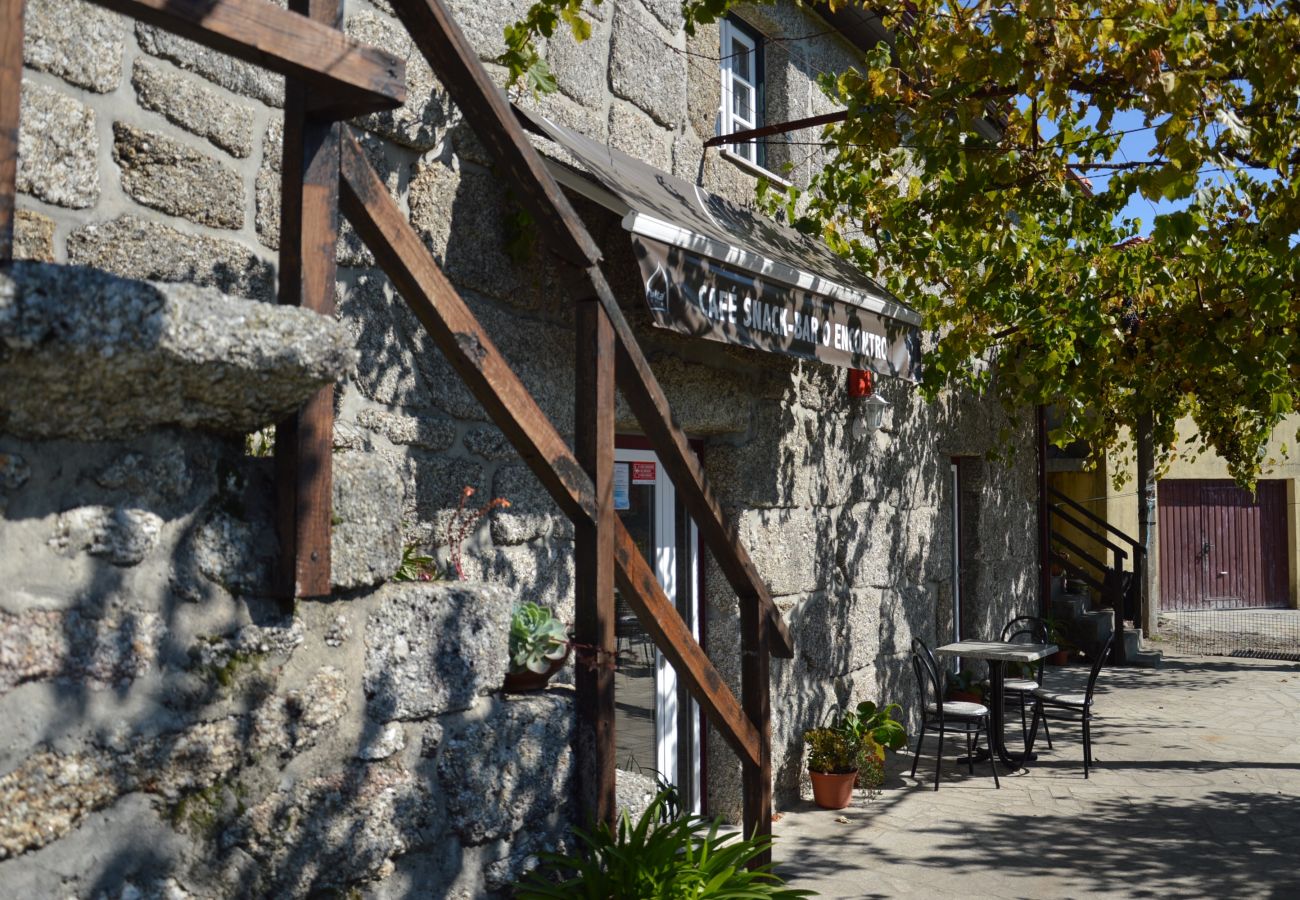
pixel 171 730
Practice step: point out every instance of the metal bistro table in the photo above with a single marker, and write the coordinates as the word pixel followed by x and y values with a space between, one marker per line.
pixel 996 653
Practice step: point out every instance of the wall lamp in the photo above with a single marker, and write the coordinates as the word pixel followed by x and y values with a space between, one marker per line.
pixel 870 408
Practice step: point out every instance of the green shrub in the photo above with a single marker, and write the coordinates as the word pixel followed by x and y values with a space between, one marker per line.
pixel 685 858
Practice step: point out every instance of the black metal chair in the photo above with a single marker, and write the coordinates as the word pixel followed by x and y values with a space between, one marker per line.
pixel 1074 702
pixel 946 716
pixel 1030 630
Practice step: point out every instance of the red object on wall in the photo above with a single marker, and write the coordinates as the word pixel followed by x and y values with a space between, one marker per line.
pixel 860 383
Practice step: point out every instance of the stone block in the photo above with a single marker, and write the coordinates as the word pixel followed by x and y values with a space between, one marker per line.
pixel 365 532
pixel 79 42
pixel 489 443
pixel 95 651
pixel 837 631
pixel 58 148
pixel 122 536
pixel 581 68
pixel 434 647
pixel 644 67
pixel 198 109
pixel 33 236
pixel 484 23
pixel 329 832
pixel 415 124
pixel 147 250
pixel 489 241
pixel 792 548
pixel 668 12
pixel 89 356
pixel 519 753
pixel 351 251
pixel 636 134
pixel 424 431
pixel 169 176
pixel 236 553
pixel 226 71
pixel 532 513
pixel 540 571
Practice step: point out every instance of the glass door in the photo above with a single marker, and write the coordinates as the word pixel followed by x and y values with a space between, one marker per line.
pixel 656 724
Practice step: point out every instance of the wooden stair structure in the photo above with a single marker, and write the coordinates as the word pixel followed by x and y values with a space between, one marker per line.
pixel 331 77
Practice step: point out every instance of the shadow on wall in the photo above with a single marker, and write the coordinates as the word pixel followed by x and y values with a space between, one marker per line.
pixel 855 535
pixel 171 732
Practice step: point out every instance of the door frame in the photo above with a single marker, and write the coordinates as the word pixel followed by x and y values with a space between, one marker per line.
pixel 668 690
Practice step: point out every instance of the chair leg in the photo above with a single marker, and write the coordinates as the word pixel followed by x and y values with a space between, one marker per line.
pixel 1087 745
pixel 970 753
pixel 938 760
pixel 1024 725
pixel 916 759
pixel 993 761
pixel 1047 733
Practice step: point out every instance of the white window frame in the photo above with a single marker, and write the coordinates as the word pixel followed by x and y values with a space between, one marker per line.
pixel 733 39
pixel 666 683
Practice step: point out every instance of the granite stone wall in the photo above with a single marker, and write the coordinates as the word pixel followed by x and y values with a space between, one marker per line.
pixel 246 749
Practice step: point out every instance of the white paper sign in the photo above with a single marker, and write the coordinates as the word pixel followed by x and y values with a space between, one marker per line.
pixel 622 498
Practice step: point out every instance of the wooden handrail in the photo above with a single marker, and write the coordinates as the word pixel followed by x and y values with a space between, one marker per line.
pixel 1089 514
pixel 349 77
pixel 451 55
pixel 435 31
pixel 454 328
pixel 1120 553
pixel 11 79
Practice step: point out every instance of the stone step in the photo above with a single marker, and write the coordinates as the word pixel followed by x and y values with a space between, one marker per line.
pixel 1146 659
pixel 1092 628
pixel 1069 608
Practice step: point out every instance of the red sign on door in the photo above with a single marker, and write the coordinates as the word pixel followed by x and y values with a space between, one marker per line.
pixel 643 472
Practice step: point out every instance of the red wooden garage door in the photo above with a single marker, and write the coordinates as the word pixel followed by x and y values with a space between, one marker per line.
pixel 1220 547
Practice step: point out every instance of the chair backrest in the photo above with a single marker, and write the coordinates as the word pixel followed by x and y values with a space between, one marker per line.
pixel 1028 630
pixel 927 674
pixel 1096 667
pixel 1033 626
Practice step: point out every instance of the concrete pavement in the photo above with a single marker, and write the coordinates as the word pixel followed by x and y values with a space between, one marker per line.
pixel 1195 794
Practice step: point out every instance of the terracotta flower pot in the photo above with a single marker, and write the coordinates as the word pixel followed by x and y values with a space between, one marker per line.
pixel 1059 658
pixel 965 697
pixel 521 682
pixel 832 791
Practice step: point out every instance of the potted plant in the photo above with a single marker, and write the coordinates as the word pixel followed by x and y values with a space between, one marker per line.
pixel 539 645
pixel 876 730
pixel 850 749
pixel 1058 634
pixel 832 765
pixel 963 688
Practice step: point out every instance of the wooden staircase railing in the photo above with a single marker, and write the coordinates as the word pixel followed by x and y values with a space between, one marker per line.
pixel 1119 585
pixel 331 77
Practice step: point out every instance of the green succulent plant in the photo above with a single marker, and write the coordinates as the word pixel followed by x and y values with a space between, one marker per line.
pixel 537 638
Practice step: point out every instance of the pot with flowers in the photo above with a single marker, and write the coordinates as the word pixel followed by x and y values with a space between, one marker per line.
pixel 539 646
pixel 850 752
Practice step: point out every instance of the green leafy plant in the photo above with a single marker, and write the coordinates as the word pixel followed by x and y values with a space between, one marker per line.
pixel 416 566
pixel 856 740
pixel 537 639
pixel 1058 633
pixel 831 751
pixel 686 858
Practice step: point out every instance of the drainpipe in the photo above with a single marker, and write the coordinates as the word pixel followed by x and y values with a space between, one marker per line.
pixel 1044 525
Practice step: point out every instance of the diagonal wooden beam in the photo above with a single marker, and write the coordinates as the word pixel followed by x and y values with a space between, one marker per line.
pixel 435 31
pixel 353 78
pixel 642 391
pixel 454 328
pixel 453 57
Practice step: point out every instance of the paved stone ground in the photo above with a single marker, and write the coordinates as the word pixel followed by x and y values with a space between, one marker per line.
pixel 1194 795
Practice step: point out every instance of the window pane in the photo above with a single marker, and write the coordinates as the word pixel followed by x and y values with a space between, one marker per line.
pixel 742 103
pixel 742 61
